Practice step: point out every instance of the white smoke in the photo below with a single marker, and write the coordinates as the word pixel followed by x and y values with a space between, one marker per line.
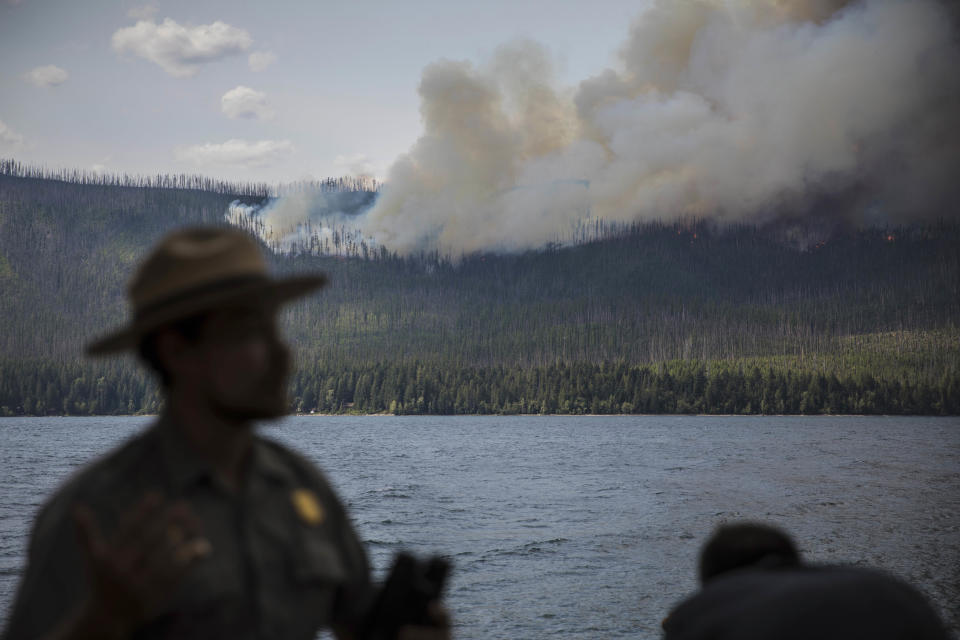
pixel 305 220
pixel 733 110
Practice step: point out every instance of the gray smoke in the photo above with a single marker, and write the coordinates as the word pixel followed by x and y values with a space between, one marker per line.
pixel 736 110
pixel 306 218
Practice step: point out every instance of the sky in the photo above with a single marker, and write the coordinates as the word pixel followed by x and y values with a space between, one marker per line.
pixel 505 125
pixel 260 91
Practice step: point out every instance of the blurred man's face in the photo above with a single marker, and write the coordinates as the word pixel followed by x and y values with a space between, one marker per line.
pixel 242 363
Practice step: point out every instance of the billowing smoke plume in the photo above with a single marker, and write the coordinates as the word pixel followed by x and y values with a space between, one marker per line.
pixel 309 218
pixel 729 109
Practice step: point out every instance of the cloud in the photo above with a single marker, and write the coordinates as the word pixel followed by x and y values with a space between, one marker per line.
pixel 236 153
pixel 48 76
pixel 146 12
pixel 260 60
pixel 10 140
pixel 244 102
pixel 179 49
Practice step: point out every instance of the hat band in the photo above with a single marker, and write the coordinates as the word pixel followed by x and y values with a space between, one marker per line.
pixel 211 287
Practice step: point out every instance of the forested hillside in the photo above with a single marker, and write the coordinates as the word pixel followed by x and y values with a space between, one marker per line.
pixel 650 318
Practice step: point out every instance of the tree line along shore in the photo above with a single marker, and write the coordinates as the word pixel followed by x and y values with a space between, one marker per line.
pixel 680 316
pixel 678 387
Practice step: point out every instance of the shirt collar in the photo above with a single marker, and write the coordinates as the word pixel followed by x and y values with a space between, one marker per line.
pixel 184 468
pixel 267 461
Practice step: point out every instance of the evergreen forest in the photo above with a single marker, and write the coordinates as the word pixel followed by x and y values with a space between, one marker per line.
pixel 654 317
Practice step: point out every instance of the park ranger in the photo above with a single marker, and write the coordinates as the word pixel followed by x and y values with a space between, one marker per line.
pixel 198 527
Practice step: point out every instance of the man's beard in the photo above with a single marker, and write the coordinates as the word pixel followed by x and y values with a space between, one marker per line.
pixel 244 413
pixel 274 406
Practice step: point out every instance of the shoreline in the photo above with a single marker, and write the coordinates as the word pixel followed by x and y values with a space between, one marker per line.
pixel 536 415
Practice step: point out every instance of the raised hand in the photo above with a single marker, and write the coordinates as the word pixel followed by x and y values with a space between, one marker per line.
pixel 135 571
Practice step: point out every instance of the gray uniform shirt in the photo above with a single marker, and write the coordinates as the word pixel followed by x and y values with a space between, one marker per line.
pixel 279 568
pixel 805 603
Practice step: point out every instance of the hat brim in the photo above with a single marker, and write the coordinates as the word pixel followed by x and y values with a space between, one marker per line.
pixel 268 291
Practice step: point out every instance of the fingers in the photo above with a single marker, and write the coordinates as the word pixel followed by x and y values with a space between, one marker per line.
pixel 171 545
pixel 154 544
pixel 134 522
pixel 183 520
pixel 134 571
pixel 164 539
pixel 190 551
pixel 152 539
pixel 184 535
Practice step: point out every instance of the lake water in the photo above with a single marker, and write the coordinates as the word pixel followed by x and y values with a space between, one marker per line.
pixel 583 527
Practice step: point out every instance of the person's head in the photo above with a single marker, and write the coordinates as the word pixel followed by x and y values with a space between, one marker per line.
pixel 230 359
pixel 205 321
pixel 746 544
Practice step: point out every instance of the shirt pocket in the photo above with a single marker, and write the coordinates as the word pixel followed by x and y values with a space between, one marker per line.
pixel 311 597
pixel 319 561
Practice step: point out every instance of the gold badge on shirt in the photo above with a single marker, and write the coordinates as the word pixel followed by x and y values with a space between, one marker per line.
pixel 307 506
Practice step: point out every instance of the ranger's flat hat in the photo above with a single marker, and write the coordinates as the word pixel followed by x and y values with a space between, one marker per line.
pixel 195 270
